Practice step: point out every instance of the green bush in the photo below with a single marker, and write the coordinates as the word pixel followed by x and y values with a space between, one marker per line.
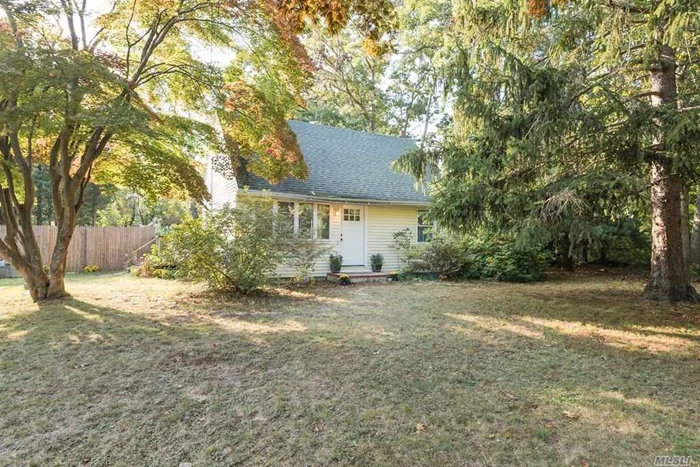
pixel 403 244
pixel 444 256
pixel 695 271
pixel 622 244
pixel 450 257
pixel 163 273
pixel 232 250
pixel 500 259
pixel 153 261
pixel 301 254
pixel 158 260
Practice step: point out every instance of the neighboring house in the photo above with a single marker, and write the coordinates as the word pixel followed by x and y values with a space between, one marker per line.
pixel 352 199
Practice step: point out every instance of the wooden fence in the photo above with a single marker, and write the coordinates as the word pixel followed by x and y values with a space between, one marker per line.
pixel 110 248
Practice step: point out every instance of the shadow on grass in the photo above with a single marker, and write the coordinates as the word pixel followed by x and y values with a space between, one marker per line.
pixel 337 376
pixel 611 303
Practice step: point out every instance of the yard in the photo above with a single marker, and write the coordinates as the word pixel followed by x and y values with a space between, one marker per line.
pixel 573 371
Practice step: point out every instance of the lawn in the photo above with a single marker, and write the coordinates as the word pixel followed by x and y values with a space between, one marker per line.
pixel 573 371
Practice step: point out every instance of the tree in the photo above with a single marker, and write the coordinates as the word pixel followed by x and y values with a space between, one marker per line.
pixel 347 87
pixel 97 197
pixel 119 92
pixel 415 76
pixel 128 208
pixel 384 90
pixel 558 101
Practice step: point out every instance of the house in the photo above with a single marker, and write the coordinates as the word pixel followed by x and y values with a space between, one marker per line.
pixel 352 199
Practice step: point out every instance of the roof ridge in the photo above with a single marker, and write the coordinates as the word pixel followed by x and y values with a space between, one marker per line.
pixel 368 133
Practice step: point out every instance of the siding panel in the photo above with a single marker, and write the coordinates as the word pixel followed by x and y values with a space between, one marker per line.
pixel 383 221
pixel 223 191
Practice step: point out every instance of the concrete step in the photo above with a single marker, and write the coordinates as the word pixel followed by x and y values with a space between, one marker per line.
pixel 359 276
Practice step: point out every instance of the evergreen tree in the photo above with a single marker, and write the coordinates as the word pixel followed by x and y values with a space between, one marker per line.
pixel 566 110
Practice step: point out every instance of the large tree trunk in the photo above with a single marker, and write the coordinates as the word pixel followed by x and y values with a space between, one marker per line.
pixel 669 279
pixel 42 286
pixel 695 236
pixel 27 259
pixel 59 262
pixel 37 282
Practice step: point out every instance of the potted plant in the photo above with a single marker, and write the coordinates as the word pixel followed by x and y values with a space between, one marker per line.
pixel 344 279
pixel 394 276
pixel 336 263
pixel 377 262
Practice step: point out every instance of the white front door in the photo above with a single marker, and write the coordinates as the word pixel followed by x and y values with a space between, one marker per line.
pixel 352 235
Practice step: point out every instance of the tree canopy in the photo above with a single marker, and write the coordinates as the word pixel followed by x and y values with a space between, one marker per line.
pixel 127 96
pixel 561 109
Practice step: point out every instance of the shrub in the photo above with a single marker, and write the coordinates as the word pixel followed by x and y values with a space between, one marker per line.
pixel 622 244
pixel 695 271
pixel 233 250
pixel 153 261
pixel 91 268
pixel 500 259
pixel 450 257
pixel 301 255
pixel 158 260
pixel 443 256
pixel 402 244
pixel 163 273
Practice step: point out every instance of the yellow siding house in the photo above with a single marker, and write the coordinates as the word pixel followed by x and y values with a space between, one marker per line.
pixel 352 199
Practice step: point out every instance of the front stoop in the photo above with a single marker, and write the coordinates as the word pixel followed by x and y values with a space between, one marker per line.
pixel 358 277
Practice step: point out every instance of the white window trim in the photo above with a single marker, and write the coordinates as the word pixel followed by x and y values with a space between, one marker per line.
pixel 275 208
pixel 418 226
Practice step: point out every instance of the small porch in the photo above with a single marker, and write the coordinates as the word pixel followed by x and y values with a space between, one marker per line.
pixel 358 274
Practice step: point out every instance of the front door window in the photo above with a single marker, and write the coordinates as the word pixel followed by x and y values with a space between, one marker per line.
pixel 351 215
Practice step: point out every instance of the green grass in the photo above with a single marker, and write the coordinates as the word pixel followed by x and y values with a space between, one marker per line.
pixel 576 371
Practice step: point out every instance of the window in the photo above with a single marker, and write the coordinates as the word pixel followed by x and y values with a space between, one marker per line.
pixel 308 220
pixel 352 215
pixel 323 222
pixel 286 212
pixel 425 227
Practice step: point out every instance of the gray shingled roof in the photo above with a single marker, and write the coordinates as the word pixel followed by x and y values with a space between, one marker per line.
pixel 346 164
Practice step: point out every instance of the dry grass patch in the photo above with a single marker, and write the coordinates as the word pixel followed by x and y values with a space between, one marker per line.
pixel 145 371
